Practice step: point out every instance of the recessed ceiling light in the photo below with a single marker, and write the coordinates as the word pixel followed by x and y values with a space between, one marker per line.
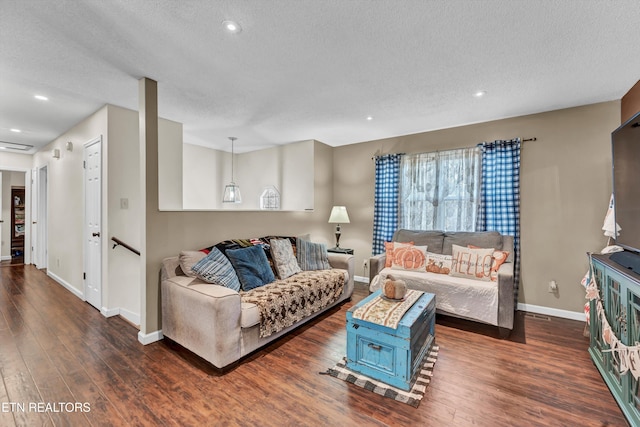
pixel 15 130
pixel 369 118
pixel 480 93
pixel 231 27
pixel 41 97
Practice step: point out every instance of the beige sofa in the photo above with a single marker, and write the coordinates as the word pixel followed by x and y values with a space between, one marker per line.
pixel 490 302
pixel 211 321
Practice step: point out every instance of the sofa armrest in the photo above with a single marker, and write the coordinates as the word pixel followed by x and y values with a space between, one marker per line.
pixel 506 303
pixel 344 262
pixel 376 264
pixel 202 317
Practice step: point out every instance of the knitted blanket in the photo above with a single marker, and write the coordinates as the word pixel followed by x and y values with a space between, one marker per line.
pixel 285 302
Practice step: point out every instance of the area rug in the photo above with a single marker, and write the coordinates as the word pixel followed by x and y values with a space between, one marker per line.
pixel 411 397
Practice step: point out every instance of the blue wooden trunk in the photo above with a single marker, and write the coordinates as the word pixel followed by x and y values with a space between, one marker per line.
pixel 389 355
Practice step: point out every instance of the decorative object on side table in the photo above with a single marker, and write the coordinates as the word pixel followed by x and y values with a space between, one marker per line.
pixel 338 216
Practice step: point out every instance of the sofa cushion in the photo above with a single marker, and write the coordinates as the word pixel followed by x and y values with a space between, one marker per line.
pixel 472 263
pixel 252 267
pixel 410 257
pixel 432 238
pixel 188 259
pixel 215 268
pixel 439 263
pixel 312 256
pixel 480 239
pixel 284 259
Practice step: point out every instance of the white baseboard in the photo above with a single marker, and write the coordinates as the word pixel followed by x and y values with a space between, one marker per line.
pixel 127 314
pixel 5 258
pixel 150 338
pixel 130 316
pixel 66 285
pixel 361 279
pixel 109 312
pixel 566 314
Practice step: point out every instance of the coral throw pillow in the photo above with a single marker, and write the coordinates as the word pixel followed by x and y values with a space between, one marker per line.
pixel 499 257
pixel 410 257
pixel 472 263
pixel 389 247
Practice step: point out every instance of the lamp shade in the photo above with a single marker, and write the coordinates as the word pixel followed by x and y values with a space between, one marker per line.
pixel 232 190
pixel 232 193
pixel 339 215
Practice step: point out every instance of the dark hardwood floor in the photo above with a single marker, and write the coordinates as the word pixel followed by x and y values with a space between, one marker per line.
pixel 58 352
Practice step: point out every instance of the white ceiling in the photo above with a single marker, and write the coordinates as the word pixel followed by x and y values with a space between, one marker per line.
pixel 310 69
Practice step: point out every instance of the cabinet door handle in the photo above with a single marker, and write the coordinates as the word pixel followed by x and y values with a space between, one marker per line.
pixel 375 346
pixel 96 234
pixel 34 222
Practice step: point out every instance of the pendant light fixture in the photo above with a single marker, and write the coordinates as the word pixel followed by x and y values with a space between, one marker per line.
pixel 231 190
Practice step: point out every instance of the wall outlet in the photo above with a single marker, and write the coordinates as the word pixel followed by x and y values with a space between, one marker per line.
pixel 365 264
pixel 553 286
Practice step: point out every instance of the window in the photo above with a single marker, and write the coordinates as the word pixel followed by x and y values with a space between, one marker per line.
pixel 441 190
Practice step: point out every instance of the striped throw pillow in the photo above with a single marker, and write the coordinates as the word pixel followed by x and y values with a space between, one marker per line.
pixel 215 268
pixel 312 256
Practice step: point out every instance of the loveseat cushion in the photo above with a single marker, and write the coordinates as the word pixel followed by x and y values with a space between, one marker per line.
pixel 432 239
pixel 251 266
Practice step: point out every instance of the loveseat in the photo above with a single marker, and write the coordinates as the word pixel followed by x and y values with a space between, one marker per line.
pixel 222 325
pixel 486 294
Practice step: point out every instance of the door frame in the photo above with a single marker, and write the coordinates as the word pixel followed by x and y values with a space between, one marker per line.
pixel 40 197
pixel 27 207
pixel 85 233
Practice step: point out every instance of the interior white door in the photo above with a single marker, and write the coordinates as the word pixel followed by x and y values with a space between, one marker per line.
pixel 35 244
pixel 39 217
pixel 93 223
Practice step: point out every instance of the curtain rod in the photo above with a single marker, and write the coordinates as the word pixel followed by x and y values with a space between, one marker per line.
pixel 524 140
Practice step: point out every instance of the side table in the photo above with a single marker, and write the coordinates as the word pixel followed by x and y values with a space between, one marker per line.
pixel 341 251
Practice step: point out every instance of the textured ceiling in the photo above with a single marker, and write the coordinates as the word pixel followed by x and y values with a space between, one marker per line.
pixel 310 69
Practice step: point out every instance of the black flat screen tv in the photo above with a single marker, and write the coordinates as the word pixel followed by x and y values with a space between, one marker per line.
pixel 625 145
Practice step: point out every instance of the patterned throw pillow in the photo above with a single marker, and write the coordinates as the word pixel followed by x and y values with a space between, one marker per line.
pixel 215 268
pixel 438 263
pixel 499 257
pixel 472 263
pixel 410 257
pixel 389 247
pixel 284 259
pixel 252 267
pixel 312 256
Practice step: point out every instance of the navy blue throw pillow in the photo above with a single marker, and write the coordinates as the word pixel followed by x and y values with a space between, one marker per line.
pixel 252 267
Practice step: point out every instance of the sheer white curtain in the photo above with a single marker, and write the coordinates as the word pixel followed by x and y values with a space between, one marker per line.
pixel 441 190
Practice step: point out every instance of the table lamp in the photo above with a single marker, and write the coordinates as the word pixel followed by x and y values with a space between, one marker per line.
pixel 338 216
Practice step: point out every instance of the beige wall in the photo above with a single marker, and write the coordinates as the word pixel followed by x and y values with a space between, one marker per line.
pixel 175 231
pixel 565 190
pixel 65 200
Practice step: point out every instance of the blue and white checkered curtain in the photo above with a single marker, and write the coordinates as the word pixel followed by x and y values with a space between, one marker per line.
pixel 499 208
pixel 385 204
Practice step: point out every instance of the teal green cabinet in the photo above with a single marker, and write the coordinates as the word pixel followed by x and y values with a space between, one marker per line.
pixel 619 291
